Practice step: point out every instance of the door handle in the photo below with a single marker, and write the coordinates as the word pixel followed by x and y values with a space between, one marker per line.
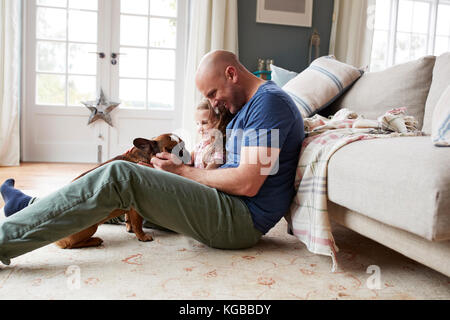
pixel 101 55
pixel 114 55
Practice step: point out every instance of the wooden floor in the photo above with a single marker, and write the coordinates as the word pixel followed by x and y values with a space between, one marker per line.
pixel 39 179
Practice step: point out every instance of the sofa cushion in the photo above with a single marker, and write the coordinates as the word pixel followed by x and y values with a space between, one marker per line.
pixel 402 182
pixel 441 80
pixel 440 130
pixel 319 85
pixel 403 85
pixel 281 76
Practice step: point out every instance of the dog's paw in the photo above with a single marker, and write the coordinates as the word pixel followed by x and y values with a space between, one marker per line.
pixel 145 237
pixel 129 228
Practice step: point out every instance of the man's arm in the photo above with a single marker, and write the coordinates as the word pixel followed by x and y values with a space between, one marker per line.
pixel 246 180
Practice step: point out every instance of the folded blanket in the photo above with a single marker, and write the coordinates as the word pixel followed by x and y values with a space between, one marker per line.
pixel 308 216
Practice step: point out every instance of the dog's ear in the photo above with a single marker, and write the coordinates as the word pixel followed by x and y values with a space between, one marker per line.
pixel 146 145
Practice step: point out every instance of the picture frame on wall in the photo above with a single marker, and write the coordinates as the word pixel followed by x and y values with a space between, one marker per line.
pixel 285 12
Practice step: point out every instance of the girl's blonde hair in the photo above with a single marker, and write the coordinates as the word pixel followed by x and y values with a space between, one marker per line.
pixel 218 119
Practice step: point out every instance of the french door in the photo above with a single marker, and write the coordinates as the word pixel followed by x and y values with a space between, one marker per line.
pixel 132 50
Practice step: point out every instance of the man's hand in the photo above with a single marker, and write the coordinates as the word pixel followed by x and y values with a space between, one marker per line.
pixel 167 162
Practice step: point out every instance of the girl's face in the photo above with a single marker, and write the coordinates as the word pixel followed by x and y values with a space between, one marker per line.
pixel 202 119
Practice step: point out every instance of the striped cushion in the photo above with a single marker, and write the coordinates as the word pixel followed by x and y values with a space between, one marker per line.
pixel 325 80
pixel 441 121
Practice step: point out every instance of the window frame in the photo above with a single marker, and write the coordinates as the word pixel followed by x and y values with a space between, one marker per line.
pixel 391 49
pixel 180 55
pixel 106 42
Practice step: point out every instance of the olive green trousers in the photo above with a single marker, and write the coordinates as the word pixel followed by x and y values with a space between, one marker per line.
pixel 212 217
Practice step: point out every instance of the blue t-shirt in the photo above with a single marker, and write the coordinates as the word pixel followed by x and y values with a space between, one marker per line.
pixel 269 119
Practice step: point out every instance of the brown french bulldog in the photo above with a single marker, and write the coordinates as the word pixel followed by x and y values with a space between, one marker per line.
pixel 143 151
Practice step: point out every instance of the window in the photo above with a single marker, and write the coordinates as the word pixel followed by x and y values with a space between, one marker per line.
pixel 66 31
pixel 409 29
pixel 69 34
pixel 148 50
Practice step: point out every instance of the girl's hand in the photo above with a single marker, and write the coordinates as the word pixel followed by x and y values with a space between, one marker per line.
pixel 212 166
pixel 167 162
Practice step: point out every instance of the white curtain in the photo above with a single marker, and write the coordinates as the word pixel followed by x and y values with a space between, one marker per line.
pixel 10 56
pixel 213 25
pixel 352 31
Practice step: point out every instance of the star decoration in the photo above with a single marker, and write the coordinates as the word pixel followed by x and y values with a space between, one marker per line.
pixel 101 109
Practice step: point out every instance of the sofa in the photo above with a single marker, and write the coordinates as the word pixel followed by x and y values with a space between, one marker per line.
pixel 396 191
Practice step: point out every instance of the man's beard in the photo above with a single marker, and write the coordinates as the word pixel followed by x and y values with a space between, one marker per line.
pixel 237 103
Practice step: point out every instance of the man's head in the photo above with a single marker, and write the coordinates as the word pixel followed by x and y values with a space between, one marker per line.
pixel 223 80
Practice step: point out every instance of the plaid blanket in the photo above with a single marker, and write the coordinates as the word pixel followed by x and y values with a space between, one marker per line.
pixel 308 216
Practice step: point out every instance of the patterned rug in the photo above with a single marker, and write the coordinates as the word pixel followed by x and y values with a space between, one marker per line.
pixel 176 267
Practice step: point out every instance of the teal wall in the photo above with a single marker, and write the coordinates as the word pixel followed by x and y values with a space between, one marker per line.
pixel 287 45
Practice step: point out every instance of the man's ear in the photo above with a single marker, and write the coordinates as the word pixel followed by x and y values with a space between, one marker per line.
pixel 231 74
pixel 146 145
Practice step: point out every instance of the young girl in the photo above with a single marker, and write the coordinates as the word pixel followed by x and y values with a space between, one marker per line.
pixel 209 153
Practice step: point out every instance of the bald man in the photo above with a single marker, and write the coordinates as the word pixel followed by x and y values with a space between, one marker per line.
pixel 227 208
